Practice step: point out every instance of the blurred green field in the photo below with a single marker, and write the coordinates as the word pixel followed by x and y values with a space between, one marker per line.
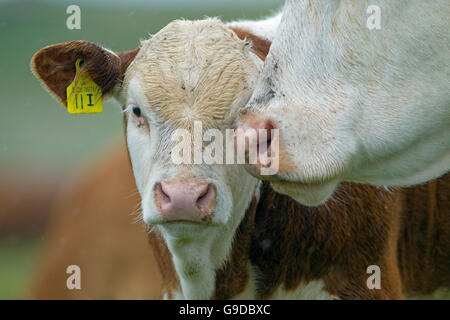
pixel 36 134
pixel 18 258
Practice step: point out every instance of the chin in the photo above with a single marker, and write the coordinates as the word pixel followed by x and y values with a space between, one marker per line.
pixel 185 230
pixel 311 195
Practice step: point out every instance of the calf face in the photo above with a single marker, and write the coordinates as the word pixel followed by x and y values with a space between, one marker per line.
pixel 188 78
pixel 353 103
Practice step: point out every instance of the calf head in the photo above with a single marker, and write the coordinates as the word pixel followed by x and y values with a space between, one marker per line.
pixel 188 79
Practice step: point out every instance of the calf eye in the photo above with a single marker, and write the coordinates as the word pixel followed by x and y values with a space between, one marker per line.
pixel 137 115
pixel 137 111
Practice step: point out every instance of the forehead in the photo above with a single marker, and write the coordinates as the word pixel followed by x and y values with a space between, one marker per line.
pixel 195 71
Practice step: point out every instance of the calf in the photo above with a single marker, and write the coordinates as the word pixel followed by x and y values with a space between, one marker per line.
pixel 355 103
pixel 217 231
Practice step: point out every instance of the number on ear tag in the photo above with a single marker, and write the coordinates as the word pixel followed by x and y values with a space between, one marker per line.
pixel 86 95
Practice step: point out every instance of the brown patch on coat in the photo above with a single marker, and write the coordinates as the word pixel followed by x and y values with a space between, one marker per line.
pixel 335 242
pixel 232 279
pixel 425 232
pixel 404 232
pixel 260 46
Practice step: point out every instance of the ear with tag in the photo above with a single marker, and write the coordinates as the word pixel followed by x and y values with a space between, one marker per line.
pixel 55 66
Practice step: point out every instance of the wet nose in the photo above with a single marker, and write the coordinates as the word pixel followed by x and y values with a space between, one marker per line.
pixel 191 201
pixel 259 125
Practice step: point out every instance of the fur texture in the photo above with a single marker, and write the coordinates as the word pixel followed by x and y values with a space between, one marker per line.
pixel 354 104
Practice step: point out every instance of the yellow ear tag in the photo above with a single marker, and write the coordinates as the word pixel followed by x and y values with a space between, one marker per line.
pixel 86 96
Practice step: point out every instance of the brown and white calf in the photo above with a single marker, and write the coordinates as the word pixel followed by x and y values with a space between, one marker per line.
pixel 353 102
pixel 217 231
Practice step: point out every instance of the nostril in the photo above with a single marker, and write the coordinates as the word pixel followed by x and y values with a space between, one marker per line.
pixel 161 192
pixel 203 194
pixel 207 196
pixel 261 127
pixel 267 127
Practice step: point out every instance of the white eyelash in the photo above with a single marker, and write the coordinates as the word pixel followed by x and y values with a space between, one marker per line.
pixel 129 108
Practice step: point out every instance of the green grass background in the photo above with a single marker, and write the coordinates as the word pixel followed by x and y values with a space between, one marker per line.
pixel 36 133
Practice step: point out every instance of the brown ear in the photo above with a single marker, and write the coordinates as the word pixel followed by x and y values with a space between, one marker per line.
pixel 259 45
pixel 55 66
